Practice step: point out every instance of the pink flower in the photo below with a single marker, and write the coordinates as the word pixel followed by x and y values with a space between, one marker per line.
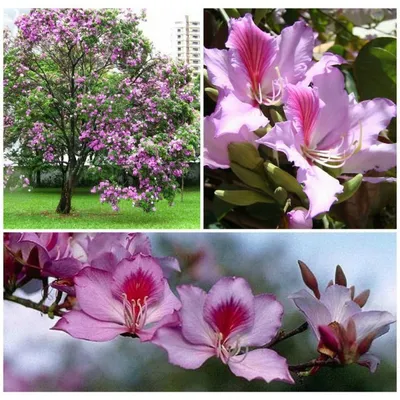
pixel 328 131
pixel 256 64
pixel 297 219
pixel 224 323
pixel 344 331
pixel 134 299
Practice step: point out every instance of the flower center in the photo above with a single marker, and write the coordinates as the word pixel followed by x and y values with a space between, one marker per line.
pixel 226 351
pixel 333 158
pixel 273 98
pixel 135 312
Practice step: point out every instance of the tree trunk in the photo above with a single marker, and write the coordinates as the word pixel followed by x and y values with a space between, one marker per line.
pixel 64 206
pixel 38 180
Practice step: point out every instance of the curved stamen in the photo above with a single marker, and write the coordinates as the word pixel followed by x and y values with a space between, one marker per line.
pixel 134 319
pixel 225 353
pixel 338 160
pixel 276 97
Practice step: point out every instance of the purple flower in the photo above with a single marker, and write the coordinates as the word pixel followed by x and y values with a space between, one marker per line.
pixel 134 299
pixel 256 64
pixel 224 323
pixel 328 131
pixel 344 331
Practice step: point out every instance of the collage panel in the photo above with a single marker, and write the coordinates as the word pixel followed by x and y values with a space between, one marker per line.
pixel 199 312
pixel 300 118
pixel 101 119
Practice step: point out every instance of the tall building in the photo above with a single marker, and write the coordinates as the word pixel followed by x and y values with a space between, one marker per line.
pixel 186 42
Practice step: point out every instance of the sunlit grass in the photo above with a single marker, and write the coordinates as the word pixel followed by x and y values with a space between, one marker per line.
pixel 36 210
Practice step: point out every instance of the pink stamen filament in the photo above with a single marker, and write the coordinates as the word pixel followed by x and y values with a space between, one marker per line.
pixel 276 97
pixel 134 320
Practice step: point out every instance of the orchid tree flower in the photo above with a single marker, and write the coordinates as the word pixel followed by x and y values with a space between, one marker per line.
pixel 135 299
pixel 257 64
pixel 328 133
pixel 42 254
pixel 105 251
pixel 224 323
pixel 344 331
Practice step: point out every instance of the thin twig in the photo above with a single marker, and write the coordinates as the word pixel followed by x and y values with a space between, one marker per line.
pixel 313 363
pixel 286 335
pixel 35 306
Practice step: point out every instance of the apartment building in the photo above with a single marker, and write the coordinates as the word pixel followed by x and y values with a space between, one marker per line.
pixel 186 42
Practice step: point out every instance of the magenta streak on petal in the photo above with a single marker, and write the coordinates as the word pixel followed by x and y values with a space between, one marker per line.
pixel 139 286
pixel 303 105
pixel 228 316
pixel 255 50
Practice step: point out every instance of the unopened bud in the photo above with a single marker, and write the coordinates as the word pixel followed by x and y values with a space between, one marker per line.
pixel 340 277
pixel 362 298
pixel 309 279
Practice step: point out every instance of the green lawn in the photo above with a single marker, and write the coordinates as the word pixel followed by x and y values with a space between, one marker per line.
pixel 36 210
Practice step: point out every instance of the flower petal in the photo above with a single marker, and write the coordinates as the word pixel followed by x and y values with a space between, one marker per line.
pixel 253 52
pixel 215 152
pixel 194 328
pixel 315 312
pixel 229 307
pixel 64 268
pixel 373 116
pixel 180 351
pixel 298 219
pixel 217 63
pixel 231 115
pixel 93 292
pixel 320 188
pixel 267 321
pixel 141 276
pixel 296 45
pixel 166 306
pixel 146 334
pixel 168 264
pixel 337 299
pixel 302 106
pixel 368 322
pixel 262 364
pixel 283 137
pixel 323 66
pixel 81 326
pixel 378 157
pixel 370 361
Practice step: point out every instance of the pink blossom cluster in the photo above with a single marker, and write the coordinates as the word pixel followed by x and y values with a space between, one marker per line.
pixel 110 284
pixel 12 184
pixel 321 129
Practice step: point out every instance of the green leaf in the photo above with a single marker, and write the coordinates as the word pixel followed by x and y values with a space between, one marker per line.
pixel 259 15
pixel 375 69
pixel 242 197
pixel 232 12
pixel 251 178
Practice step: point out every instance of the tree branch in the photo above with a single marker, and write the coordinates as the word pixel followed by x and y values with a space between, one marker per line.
pixel 286 335
pixel 314 363
pixel 35 306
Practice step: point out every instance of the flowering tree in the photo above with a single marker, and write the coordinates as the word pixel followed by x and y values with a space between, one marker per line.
pixel 110 284
pixel 298 138
pixel 84 87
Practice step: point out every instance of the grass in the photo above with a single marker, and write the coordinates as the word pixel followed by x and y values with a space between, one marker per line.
pixel 36 210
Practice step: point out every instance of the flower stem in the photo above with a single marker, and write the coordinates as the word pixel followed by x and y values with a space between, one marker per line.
pixel 35 306
pixel 304 367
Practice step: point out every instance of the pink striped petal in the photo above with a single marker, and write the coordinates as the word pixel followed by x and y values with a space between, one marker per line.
pixel 217 63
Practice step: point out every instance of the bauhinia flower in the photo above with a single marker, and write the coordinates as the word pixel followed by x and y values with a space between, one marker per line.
pixel 328 133
pixel 105 251
pixel 344 331
pixel 224 323
pixel 134 299
pixel 257 64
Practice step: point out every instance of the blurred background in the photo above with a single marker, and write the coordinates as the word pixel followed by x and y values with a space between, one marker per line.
pixel 37 359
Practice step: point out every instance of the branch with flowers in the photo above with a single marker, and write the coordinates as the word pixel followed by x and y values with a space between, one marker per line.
pixel 305 137
pixel 111 284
